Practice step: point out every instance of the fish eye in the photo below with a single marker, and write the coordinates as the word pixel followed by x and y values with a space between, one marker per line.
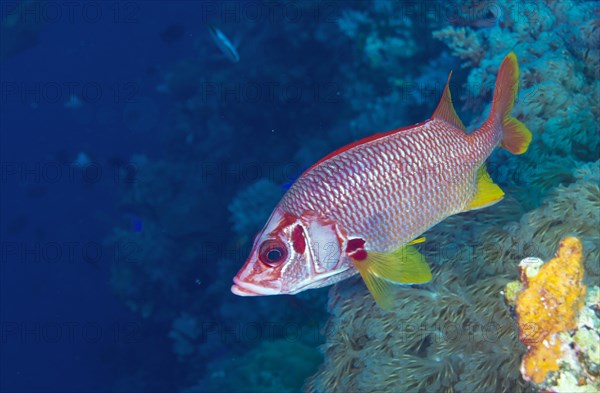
pixel 272 252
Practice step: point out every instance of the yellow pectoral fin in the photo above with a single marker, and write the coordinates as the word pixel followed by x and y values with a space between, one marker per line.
pixel 488 192
pixel 380 288
pixel 381 271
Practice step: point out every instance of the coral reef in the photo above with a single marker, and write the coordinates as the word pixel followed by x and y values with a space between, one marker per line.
pixel 558 323
pixel 572 209
pixel 226 153
pixel 278 366
pixel 386 32
pixel 456 333
pixel 392 48
pixel 437 339
pixel 557 44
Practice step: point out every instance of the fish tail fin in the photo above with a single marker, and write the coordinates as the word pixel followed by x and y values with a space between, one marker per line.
pixel 515 135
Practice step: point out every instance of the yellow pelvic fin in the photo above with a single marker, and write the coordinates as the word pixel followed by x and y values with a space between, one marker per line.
pixel 381 271
pixel 488 192
pixel 445 110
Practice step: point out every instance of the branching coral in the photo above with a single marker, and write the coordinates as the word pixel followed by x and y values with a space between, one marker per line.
pixel 465 43
pixel 386 32
pixel 391 42
pixel 558 53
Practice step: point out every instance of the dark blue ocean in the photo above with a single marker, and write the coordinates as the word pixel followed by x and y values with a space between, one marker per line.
pixel 144 144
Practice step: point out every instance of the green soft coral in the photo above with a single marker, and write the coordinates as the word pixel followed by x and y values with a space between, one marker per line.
pixel 456 333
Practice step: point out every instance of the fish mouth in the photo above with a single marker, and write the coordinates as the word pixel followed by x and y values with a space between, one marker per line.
pixel 242 288
pixel 241 291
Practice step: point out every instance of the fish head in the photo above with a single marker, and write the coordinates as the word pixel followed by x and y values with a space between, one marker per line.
pixel 292 254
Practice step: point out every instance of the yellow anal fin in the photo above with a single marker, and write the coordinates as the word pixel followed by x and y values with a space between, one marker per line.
pixel 417 241
pixel 488 192
pixel 381 271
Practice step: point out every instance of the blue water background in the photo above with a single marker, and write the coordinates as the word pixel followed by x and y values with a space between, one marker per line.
pixel 64 314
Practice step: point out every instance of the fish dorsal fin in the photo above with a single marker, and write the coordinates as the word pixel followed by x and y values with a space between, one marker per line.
pixel 445 110
pixel 488 192
pixel 382 271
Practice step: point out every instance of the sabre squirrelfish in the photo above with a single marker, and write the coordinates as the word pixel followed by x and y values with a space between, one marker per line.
pixel 361 208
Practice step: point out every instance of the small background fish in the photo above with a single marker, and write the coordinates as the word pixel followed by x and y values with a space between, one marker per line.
pixel 224 44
